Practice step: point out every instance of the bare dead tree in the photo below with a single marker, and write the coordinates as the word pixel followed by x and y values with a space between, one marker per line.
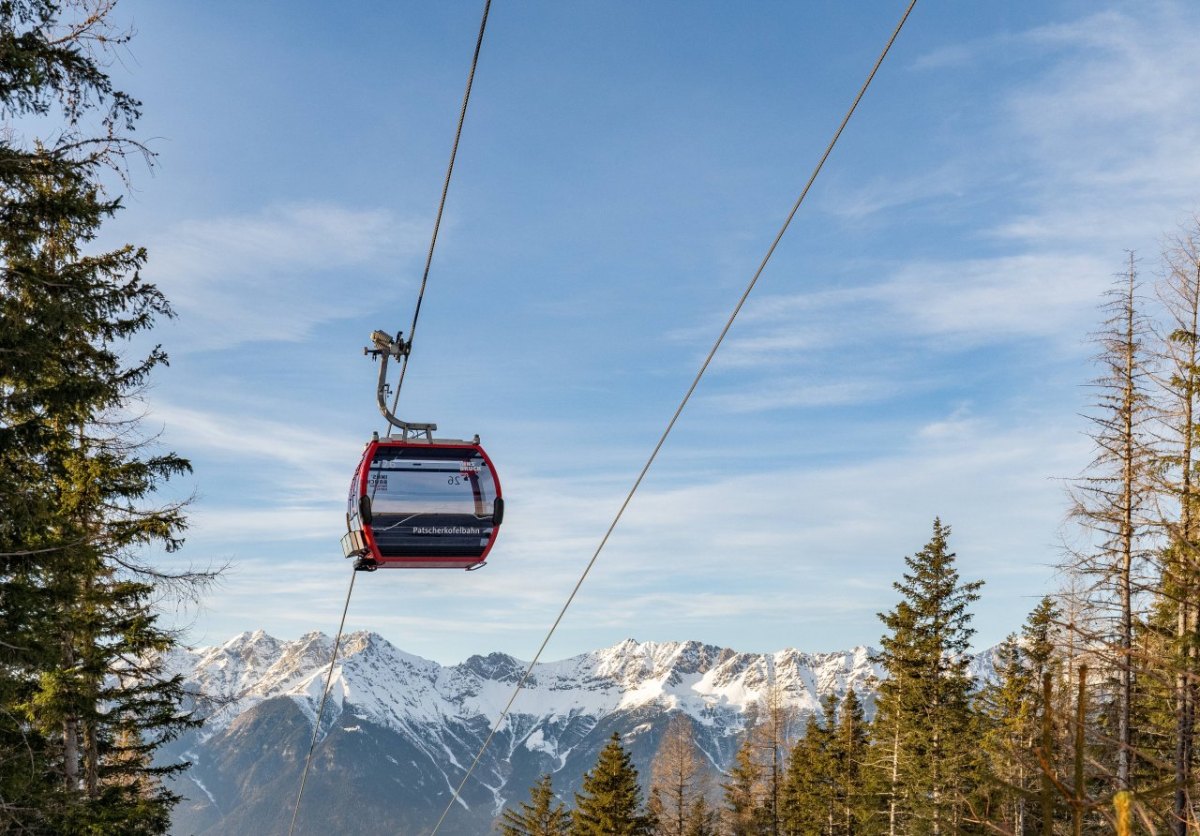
pixel 1111 498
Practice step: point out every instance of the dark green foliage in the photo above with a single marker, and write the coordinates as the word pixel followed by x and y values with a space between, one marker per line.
pixel 826 790
pixel 83 704
pixel 743 809
pixel 1010 719
pixel 809 791
pixel 611 801
pixel 925 753
pixel 851 747
pixel 542 815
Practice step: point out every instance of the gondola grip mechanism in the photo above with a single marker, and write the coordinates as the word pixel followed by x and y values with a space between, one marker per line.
pixel 386 346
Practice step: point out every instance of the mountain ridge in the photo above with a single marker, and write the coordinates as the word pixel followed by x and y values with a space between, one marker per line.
pixel 399 731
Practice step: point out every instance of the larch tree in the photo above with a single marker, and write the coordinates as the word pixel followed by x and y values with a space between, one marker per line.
pixel 703 819
pixel 610 803
pixel 84 701
pixel 542 815
pixel 772 739
pixel 679 778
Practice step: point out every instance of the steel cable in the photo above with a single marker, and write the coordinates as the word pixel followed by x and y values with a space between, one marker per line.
pixel 679 410
pixel 437 222
pixel 337 642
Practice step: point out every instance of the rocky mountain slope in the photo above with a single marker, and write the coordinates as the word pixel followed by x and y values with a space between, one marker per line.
pixel 400 731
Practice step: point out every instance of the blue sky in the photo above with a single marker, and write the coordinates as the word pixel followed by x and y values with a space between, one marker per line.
pixel 917 347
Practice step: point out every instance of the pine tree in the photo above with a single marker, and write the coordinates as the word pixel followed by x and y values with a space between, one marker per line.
pixel 925 703
pixel 83 704
pixel 611 801
pixel 542 815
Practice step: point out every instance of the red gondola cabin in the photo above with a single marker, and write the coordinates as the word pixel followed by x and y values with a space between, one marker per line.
pixel 423 505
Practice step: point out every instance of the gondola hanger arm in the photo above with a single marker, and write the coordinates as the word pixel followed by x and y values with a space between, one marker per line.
pixel 385 347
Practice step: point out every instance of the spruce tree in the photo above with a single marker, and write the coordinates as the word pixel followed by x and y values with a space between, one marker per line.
pixel 542 815
pixel 808 805
pixel 743 809
pixel 926 723
pixel 83 701
pixel 897 700
pixel 1009 723
pixel 611 801
pixel 850 746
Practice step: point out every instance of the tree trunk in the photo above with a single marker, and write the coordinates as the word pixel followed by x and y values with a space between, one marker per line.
pixel 70 727
pixel 895 781
pixel 1185 566
pixel 1129 406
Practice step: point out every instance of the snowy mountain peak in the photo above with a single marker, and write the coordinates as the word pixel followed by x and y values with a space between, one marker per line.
pixel 397 689
pixel 414 724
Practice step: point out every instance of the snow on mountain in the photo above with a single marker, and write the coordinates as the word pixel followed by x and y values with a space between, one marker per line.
pixel 399 732
pixel 398 690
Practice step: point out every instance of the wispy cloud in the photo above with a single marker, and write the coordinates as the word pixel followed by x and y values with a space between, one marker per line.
pixel 272 275
pixel 797 393
pixel 1112 127
pixel 934 306
pixel 300 463
pixel 980 301
pixel 692 552
pixel 857 203
pixel 1104 139
pixel 289 480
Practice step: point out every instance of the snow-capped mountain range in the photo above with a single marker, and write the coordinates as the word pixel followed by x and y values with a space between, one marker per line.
pixel 399 731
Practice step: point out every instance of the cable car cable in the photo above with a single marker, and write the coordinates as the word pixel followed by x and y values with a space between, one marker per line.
pixel 462 115
pixel 678 411
pixel 437 222
pixel 312 746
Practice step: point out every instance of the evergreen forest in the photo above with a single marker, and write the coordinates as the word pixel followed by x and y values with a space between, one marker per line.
pixel 84 699
pixel 1074 730
pixel 1086 723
